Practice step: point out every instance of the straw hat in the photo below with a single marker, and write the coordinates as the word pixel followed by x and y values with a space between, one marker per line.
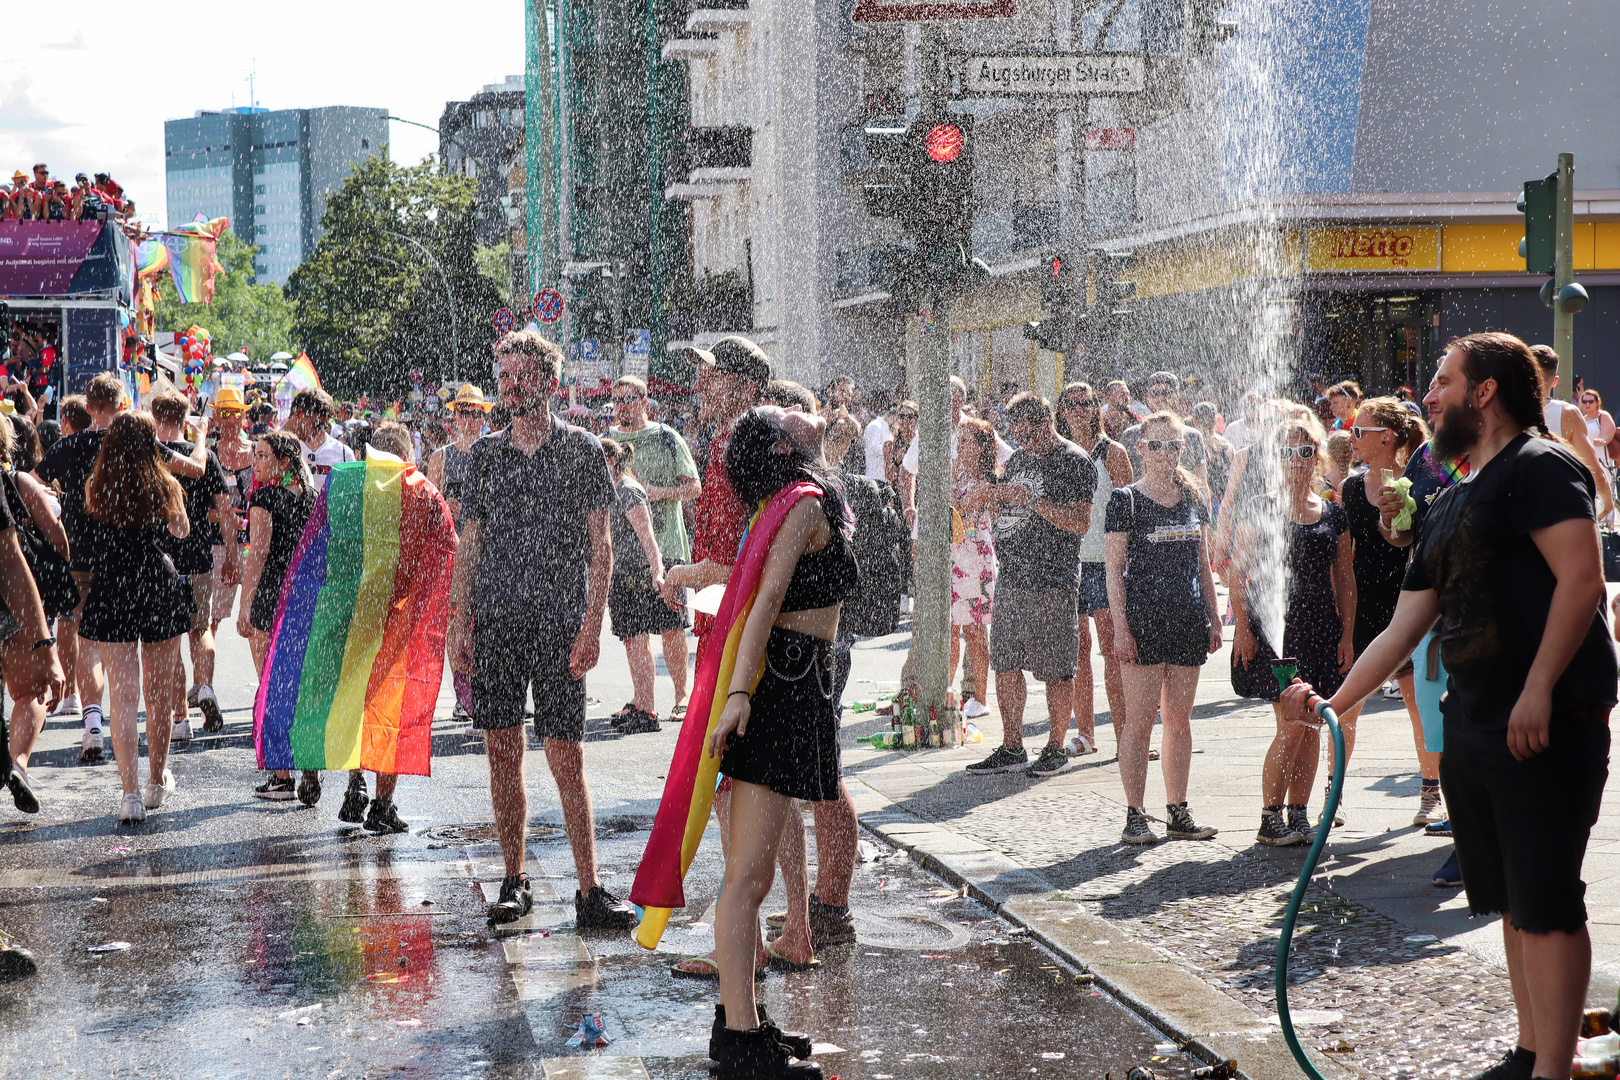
pixel 229 397
pixel 471 395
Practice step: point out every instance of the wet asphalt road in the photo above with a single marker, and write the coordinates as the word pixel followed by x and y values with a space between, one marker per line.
pixel 270 940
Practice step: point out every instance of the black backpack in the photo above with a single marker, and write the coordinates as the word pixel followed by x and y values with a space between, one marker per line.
pixel 882 551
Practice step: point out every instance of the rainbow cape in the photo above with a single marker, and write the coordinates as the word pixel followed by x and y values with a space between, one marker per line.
pixel 357 649
pixel 683 813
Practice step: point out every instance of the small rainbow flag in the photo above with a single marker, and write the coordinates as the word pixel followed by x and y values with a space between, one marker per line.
pixel 357 650
pixel 683 813
pixel 392 412
pixel 302 376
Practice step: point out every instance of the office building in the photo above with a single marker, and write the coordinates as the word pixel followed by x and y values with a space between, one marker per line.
pixel 482 138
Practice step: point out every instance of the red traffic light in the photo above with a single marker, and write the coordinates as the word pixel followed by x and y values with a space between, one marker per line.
pixel 1057 265
pixel 944 143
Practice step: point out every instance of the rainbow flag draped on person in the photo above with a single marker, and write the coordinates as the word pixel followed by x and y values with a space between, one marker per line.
pixel 357 651
pixel 683 813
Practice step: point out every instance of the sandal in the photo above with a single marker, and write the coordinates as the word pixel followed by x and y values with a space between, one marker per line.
pixel 785 963
pixel 678 712
pixel 1087 745
pixel 619 717
pixel 1153 755
pixel 708 968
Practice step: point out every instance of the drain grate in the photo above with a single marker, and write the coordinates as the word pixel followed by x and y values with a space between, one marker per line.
pixel 906 931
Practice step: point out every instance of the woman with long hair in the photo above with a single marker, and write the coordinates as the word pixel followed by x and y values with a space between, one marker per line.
pixel 138 606
pixel 1079 419
pixel 777 738
pixel 1291 557
pixel 1386 435
pixel 1162 598
pixel 973 555
pixel 277 510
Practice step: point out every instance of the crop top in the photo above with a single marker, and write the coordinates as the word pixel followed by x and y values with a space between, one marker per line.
pixel 823 578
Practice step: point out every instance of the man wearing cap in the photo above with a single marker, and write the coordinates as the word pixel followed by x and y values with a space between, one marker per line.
pixel 1161 396
pixel 664 465
pixel 447 471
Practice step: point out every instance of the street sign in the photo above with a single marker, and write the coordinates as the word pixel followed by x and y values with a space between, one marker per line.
pixel 417 375
pixel 548 305
pixel 637 351
pixel 878 11
pixel 504 321
pixel 1080 73
pixel 1111 138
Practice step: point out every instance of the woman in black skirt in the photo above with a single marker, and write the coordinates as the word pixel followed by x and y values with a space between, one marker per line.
pixel 777 742
pixel 138 606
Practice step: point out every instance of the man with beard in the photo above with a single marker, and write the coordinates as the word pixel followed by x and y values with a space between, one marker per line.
pixel 1510 564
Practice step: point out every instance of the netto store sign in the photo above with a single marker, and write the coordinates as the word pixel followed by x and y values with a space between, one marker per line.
pixel 1372 249
pixel 1085 73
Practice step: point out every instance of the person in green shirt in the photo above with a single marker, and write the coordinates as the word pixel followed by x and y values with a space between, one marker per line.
pixel 665 468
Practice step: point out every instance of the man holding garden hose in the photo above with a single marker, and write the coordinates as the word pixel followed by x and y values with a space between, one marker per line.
pixel 1510 565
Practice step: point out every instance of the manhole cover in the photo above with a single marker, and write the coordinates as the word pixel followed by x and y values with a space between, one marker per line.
pixel 909 932
pixel 480 832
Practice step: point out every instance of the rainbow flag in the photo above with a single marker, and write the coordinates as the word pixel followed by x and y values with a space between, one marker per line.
pixel 152 257
pixel 392 412
pixel 693 774
pixel 357 650
pixel 191 258
pixel 302 374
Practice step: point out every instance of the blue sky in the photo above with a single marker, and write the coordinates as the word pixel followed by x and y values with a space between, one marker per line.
pixel 87 88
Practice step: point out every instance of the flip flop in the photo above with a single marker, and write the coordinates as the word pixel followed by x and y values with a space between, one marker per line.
pixel 783 963
pixel 711 969
pixel 1153 755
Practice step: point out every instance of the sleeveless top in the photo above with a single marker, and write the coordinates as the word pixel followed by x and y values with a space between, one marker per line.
pixel 456 462
pixel 1091 544
pixel 822 578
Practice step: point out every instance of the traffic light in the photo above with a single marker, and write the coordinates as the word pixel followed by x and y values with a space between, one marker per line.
pixel 1058 283
pixel 1111 291
pixel 929 162
pixel 1054 332
pixel 1538 203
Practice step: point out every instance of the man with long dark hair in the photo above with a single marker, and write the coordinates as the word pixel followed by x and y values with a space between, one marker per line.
pixel 1510 565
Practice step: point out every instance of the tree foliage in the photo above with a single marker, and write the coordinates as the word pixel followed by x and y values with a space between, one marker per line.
pixel 244 317
pixel 394 283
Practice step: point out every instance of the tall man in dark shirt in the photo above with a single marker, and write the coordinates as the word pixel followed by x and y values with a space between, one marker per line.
pixel 532 571
pixel 1510 565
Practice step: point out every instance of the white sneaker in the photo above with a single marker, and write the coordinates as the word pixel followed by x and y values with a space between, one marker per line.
pixel 131 810
pixel 90 747
pixel 68 707
pixel 181 732
pixel 191 697
pixel 156 793
pixel 973 708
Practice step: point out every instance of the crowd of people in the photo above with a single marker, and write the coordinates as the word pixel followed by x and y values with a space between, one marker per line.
pixel 43 197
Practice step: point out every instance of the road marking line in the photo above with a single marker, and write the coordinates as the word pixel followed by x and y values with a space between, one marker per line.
pixel 595 1067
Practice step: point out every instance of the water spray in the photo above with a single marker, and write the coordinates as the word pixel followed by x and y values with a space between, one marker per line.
pixel 1284 670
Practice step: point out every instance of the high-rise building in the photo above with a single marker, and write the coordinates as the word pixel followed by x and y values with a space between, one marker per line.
pixel 268 171
pixel 482 138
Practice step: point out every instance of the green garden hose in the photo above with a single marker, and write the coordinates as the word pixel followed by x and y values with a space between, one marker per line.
pixel 1285 670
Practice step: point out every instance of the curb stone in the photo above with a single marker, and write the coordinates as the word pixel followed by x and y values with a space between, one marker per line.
pixel 1205 1022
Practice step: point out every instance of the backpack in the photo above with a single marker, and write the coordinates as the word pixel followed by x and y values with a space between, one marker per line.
pixel 882 551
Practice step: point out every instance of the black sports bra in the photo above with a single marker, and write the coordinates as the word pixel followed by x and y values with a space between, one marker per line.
pixel 822 578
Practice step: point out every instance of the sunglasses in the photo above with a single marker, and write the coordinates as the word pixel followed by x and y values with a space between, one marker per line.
pixel 462 414
pixel 1154 446
pixel 1304 453
pixel 1159 391
pixel 1359 432
pixel 906 416
pixel 1589 401
pixel 228 413
pixel 625 399
pixel 1080 403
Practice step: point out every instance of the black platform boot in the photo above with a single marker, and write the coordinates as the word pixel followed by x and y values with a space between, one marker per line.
pixel 797 1045
pixel 757 1054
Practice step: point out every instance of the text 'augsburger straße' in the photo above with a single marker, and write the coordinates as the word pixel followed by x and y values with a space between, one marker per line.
pixel 1090 73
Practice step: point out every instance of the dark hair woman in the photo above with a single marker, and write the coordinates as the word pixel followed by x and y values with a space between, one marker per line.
pixel 138 606
pixel 277 510
pixel 777 741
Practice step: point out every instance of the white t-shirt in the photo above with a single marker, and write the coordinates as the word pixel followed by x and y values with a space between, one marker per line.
pixel 1240 434
pixel 320 461
pixel 877 433
pixel 1003 452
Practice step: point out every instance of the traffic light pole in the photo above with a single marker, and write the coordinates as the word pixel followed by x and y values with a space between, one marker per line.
pixel 1564 273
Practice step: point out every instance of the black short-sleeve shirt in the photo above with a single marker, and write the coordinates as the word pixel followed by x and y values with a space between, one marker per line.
pixel 195 554
pixel 1162 569
pixel 1034 553
pixel 535 510
pixel 1495 588
pixel 68 464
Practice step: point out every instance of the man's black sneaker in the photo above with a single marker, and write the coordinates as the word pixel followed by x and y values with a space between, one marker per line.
pixel 22 792
pixel 1137 830
pixel 1051 762
pixel 1183 827
pixel 309 787
pixel 276 788
pixel 516 900
pixel 1275 830
pixel 16 965
pixel 1449 876
pixel 639 722
pixel 1002 760
pixel 384 818
pixel 1517 1064
pixel 601 910
pixel 1299 819
pixel 353 809
pixel 797 1045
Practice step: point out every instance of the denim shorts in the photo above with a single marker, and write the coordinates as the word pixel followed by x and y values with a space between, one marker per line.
pixel 1093 587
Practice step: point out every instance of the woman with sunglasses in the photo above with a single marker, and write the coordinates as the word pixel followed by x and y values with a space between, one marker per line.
pixel 1162 598
pixel 1292 528
pixel 1385 436
pixel 1079 419
pixel 1600 427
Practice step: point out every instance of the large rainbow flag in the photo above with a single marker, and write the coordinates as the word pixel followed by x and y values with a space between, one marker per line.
pixel 357 650
pixel 191 258
pixel 683 813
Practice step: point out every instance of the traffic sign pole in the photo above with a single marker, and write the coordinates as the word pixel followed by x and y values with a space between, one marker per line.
pixel 1564 273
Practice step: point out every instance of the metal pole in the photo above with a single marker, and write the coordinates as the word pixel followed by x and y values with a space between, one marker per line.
pixel 1564 273
pixel 655 193
pixel 449 302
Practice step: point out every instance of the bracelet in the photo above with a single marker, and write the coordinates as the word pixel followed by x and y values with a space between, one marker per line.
pixel 746 693
pixel 43 643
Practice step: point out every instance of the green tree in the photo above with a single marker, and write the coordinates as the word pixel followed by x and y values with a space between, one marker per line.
pixel 370 303
pixel 244 317
pixel 495 263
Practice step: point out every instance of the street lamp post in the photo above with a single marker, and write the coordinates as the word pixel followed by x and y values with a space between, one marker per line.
pixel 427 127
pixel 449 302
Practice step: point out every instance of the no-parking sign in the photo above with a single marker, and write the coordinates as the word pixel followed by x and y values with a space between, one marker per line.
pixel 548 305
pixel 504 321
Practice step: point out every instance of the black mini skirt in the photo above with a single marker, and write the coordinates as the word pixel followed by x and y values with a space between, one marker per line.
pixel 791 745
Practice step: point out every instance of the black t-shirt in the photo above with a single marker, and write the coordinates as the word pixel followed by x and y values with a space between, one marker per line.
pixel 68 464
pixel 195 554
pixel 1495 588
pixel 1379 565
pixel 1162 577
pixel 288 512
pixel 1034 553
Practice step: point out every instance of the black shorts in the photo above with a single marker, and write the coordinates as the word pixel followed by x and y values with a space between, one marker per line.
pixel 792 742
pixel 1162 637
pixel 511 655
pixel 150 606
pixel 1521 826
pixel 636 608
